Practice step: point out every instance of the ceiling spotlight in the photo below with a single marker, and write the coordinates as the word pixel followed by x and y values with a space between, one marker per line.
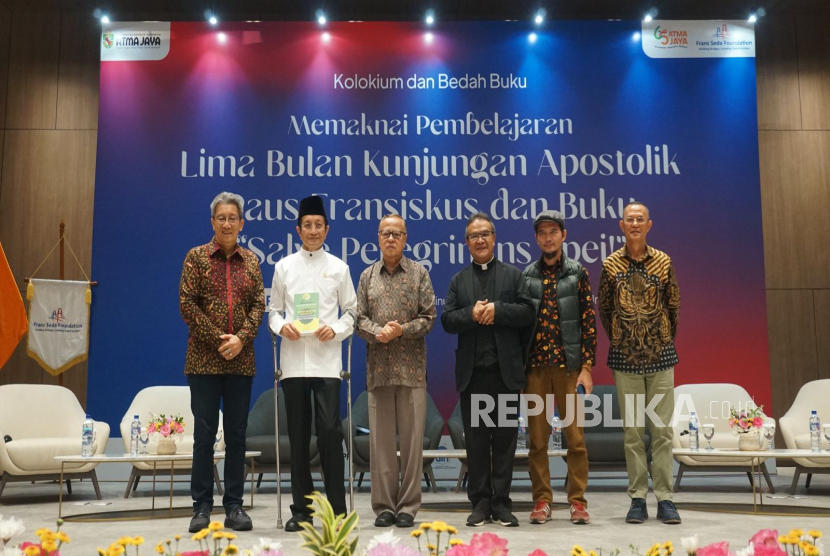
pixel 532 38
pixel 105 19
pixel 212 20
pixel 647 18
pixel 651 14
pixel 752 18
pixel 540 17
pixel 430 18
pixel 321 17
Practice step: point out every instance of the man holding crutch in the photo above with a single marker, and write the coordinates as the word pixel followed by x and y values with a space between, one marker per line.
pixel 312 307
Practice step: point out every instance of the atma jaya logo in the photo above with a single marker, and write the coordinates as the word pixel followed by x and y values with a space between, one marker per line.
pixel 722 32
pixel 109 40
pixel 57 315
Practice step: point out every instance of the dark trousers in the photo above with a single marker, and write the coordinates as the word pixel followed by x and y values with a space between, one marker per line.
pixel 206 393
pixel 325 393
pixel 490 450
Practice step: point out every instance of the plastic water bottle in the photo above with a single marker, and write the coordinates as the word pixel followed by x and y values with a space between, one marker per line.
pixel 521 441
pixel 86 437
pixel 815 432
pixel 556 432
pixel 694 438
pixel 135 432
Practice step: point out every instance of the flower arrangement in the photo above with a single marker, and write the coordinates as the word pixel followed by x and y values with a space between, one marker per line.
pixel 746 420
pixel 766 542
pixel 49 545
pixel 334 538
pixel 167 427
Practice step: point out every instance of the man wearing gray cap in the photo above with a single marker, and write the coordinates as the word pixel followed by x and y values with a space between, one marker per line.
pixel 562 349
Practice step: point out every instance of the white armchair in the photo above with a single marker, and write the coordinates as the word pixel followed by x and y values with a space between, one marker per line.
pixel 44 421
pixel 169 400
pixel 711 403
pixel 795 427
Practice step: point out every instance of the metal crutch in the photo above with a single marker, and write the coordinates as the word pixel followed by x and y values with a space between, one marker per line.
pixel 347 375
pixel 277 375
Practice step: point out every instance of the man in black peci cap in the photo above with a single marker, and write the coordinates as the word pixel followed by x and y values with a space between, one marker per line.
pixel 312 306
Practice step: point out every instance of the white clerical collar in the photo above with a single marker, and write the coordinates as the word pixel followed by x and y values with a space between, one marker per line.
pixel 486 265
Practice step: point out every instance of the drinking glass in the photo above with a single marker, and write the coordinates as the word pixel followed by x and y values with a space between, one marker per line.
pixel 144 439
pixel 827 434
pixel 708 433
pixel 769 434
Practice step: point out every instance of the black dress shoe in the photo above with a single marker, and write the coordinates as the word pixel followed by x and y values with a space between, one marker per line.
pixel 638 512
pixel 293 524
pixel 385 519
pixel 667 512
pixel 238 520
pixel 201 520
pixel 405 520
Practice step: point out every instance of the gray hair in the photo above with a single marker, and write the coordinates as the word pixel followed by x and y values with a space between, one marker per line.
pixel 480 216
pixel 638 204
pixel 395 215
pixel 227 198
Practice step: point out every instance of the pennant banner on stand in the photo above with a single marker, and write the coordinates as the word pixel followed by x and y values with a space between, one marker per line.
pixel 58 323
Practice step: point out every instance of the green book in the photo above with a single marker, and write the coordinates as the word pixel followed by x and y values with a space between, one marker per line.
pixel 307 312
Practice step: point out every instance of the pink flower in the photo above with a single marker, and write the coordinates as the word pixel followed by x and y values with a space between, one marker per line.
pixel 179 428
pixel 537 552
pixel 196 553
pixel 758 422
pixel 165 430
pixel 715 549
pixel 151 427
pixel 731 421
pixel 743 423
pixel 765 536
pixel 769 550
pixel 489 544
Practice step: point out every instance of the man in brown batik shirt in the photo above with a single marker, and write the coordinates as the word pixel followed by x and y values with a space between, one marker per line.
pixel 395 312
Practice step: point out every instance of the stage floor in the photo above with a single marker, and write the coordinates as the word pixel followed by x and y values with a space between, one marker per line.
pixel 37 506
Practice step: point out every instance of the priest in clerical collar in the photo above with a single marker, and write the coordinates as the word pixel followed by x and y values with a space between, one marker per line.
pixel 488 305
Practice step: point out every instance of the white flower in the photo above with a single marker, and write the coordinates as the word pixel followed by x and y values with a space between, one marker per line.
pixel 9 528
pixel 748 551
pixel 384 538
pixel 267 545
pixel 11 551
pixel 689 544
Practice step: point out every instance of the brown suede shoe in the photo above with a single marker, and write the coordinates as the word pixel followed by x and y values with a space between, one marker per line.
pixel 541 512
pixel 579 514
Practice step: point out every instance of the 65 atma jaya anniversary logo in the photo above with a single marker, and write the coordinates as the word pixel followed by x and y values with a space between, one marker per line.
pixel 671 38
pixel 109 40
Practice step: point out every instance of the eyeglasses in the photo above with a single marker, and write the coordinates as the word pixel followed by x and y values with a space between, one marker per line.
pixel 386 234
pixel 308 226
pixel 480 235
pixel 638 220
pixel 229 219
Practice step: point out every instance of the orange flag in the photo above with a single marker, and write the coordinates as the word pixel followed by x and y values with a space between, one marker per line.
pixel 13 323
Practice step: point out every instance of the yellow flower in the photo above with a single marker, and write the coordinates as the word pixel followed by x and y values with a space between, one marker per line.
pixel 138 541
pixel 230 536
pixel 432 547
pixel 125 541
pixel 178 537
pixel 49 546
pixel 578 549
pixel 815 534
pixel 592 553
pixel 811 550
pixel 439 526
pixel 160 548
pixel 43 530
pixel 456 542
pixel 32 550
pixel 231 549
pixel 426 526
pixel 218 535
pixel 200 535
pixel 796 533
pixel 46 535
pixel 101 552
pixel 115 549
pixel 62 537
pixel 784 539
pixel 215 526
pixel 416 533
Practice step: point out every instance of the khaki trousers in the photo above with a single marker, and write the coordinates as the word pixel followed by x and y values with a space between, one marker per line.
pixel 543 381
pixel 649 385
pixel 396 490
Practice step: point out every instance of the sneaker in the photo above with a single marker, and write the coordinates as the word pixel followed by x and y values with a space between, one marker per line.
pixel 238 520
pixel 385 519
pixel 403 519
pixel 579 515
pixel 638 512
pixel 505 519
pixel 293 524
pixel 201 520
pixel 478 518
pixel 541 512
pixel 667 512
